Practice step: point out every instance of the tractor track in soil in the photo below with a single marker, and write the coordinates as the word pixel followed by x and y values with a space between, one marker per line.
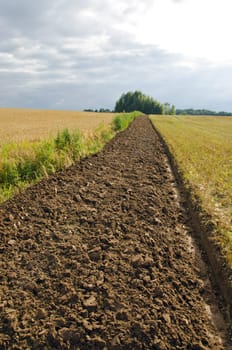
pixel 100 256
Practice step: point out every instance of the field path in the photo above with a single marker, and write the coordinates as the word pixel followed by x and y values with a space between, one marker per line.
pixel 98 256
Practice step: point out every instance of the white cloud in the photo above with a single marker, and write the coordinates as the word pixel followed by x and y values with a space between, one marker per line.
pixel 195 27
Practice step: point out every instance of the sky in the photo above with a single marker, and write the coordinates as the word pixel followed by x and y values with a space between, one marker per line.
pixel 77 54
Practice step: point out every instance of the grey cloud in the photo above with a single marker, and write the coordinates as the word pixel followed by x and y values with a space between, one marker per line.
pixel 72 55
pixel 24 17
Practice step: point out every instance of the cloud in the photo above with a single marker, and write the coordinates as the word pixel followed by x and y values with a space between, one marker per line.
pixel 75 55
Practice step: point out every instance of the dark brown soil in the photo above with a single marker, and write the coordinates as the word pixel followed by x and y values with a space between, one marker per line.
pixel 99 257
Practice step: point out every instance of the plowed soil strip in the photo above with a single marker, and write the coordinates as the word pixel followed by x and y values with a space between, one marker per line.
pixel 97 257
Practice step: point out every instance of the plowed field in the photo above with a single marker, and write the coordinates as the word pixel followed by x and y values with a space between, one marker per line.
pixel 98 256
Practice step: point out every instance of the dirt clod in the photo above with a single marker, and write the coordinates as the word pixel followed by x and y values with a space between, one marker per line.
pixel 90 303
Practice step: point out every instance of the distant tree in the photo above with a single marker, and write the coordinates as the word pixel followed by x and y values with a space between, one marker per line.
pixel 104 110
pixel 137 101
pixel 101 110
pixel 168 109
pixel 173 110
pixel 191 111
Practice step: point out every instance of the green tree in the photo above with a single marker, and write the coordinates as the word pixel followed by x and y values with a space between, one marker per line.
pixel 168 109
pixel 173 110
pixel 137 101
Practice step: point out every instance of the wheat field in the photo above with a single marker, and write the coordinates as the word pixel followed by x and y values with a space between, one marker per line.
pixel 18 125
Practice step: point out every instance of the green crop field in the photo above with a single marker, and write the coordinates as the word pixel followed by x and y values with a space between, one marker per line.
pixel 202 148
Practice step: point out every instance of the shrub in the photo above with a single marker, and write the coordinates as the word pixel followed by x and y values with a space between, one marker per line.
pixel 122 121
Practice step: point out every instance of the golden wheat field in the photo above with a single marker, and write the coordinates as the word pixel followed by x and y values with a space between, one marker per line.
pixel 17 125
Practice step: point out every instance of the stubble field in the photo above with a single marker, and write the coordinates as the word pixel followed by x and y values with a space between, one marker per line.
pixel 202 148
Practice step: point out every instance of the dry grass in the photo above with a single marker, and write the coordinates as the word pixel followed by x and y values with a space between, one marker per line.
pixel 17 125
pixel 202 147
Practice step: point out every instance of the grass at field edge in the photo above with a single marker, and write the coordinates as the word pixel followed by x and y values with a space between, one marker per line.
pixel 202 153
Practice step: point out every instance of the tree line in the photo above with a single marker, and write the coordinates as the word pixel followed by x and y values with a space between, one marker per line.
pixel 100 110
pixel 191 111
pixel 137 101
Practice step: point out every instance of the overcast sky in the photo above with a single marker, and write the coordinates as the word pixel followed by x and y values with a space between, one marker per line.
pixel 76 54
